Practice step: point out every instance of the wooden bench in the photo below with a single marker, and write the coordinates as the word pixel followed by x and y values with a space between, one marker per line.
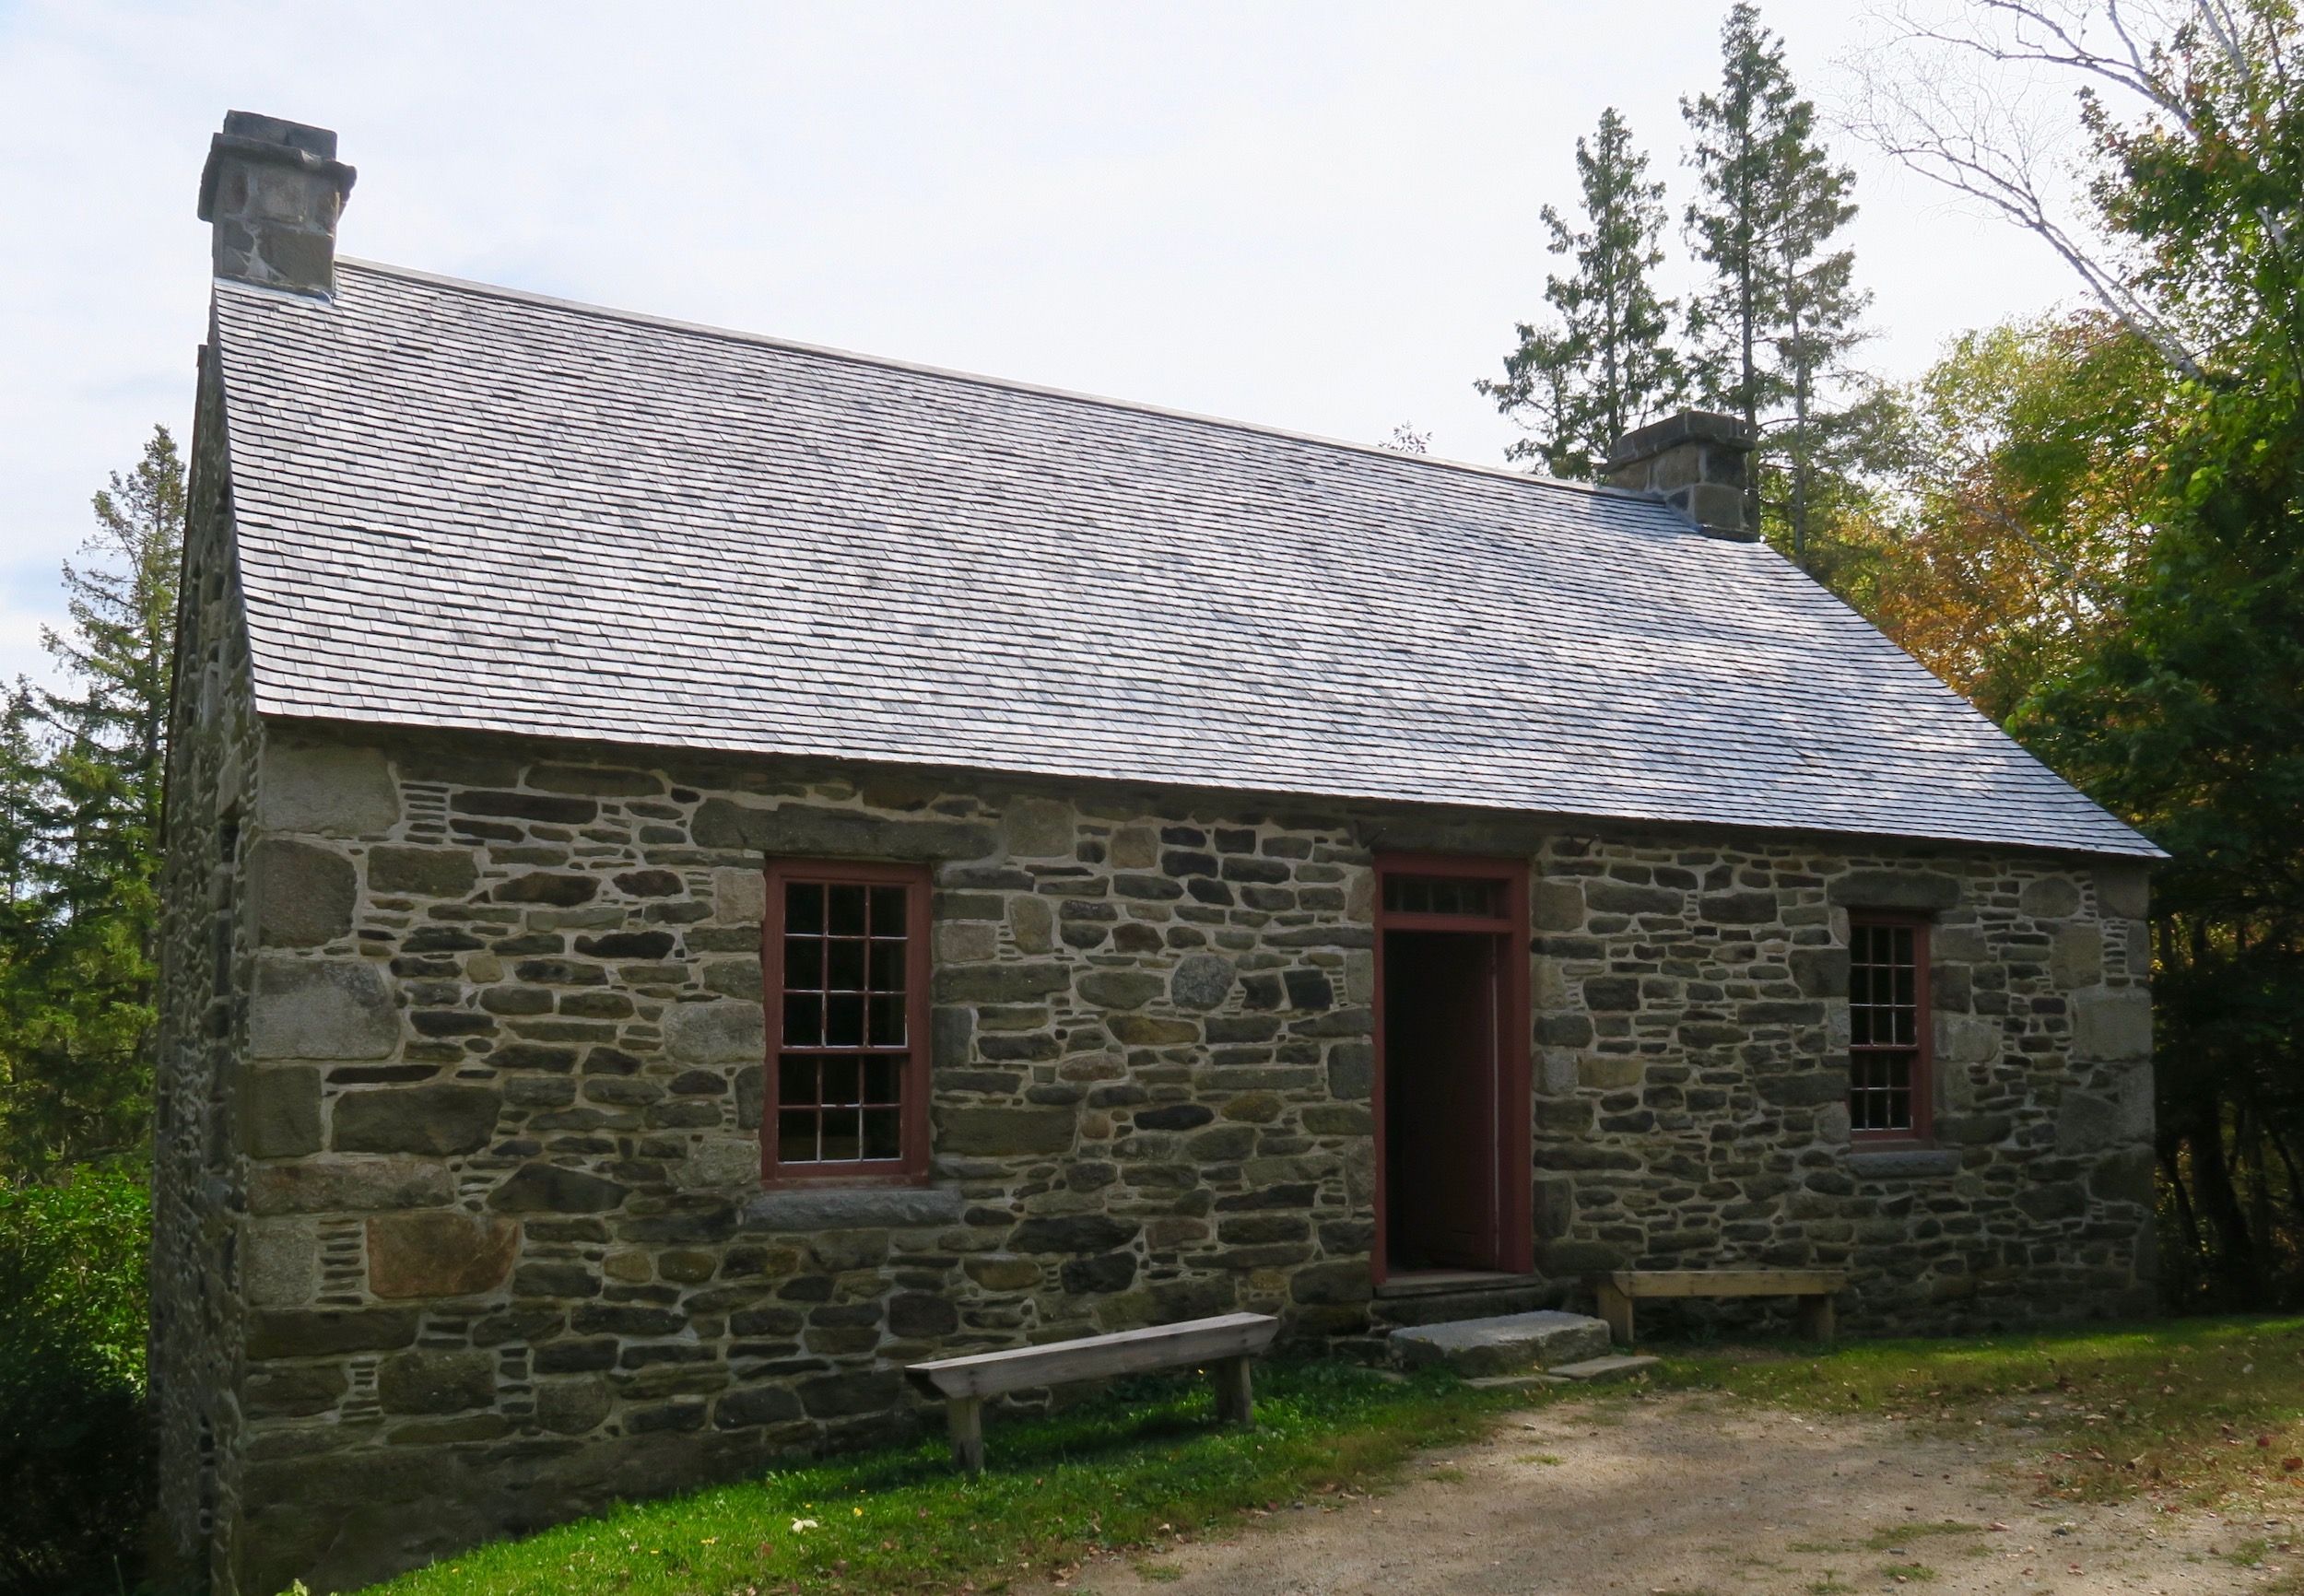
pixel 1225 1343
pixel 1814 1287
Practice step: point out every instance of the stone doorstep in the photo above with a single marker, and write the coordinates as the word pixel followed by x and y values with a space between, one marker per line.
pixel 1620 1367
pixel 1513 1343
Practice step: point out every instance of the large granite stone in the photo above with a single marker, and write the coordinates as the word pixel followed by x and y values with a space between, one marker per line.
pixel 796 829
pixel 327 791
pixel 279 1110
pixel 320 1008
pixel 302 895
pixel 2111 1023
pixel 891 1207
pixel 997 1133
pixel 715 1033
pixel 438 1255
pixel 1504 1345
pixel 425 871
pixel 350 1186
pixel 442 1117
pixel 279 1262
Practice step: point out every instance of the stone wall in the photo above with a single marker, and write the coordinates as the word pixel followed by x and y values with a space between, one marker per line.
pixel 205 947
pixel 504 1254
pixel 498 1241
pixel 1691 1111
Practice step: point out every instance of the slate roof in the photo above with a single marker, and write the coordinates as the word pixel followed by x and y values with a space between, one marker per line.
pixel 461 506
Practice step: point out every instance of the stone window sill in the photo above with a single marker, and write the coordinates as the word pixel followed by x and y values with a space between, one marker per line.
pixel 852 1208
pixel 1903 1163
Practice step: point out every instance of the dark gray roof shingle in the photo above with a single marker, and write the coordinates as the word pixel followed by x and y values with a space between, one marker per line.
pixel 465 507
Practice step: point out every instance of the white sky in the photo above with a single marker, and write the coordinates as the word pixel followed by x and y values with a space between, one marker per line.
pixel 1320 217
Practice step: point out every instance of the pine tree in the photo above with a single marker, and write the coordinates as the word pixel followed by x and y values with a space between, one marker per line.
pixel 1776 325
pixel 1609 363
pixel 80 791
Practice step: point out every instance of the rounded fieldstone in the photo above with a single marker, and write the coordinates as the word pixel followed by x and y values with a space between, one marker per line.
pixel 1202 980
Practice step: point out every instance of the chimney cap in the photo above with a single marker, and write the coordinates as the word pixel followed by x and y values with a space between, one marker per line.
pixel 1687 427
pixel 272 141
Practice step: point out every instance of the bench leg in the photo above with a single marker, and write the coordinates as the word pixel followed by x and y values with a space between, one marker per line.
pixel 965 1418
pixel 1235 1394
pixel 1617 1309
pixel 1815 1318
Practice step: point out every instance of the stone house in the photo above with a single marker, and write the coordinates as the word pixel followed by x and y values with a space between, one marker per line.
pixel 702 869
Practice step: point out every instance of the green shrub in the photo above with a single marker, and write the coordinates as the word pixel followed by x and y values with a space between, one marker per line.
pixel 76 1448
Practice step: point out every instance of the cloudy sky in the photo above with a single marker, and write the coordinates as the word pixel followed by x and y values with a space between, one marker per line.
pixel 1321 217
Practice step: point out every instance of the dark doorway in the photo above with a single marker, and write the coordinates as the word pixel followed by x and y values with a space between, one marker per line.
pixel 1452 1053
pixel 1441 1027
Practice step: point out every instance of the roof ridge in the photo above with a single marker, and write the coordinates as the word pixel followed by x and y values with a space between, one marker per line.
pixel 982 380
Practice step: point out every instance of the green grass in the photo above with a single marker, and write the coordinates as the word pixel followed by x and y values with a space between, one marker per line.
pixel 2201 1413
pixel 2099 1415
pixel 1133 1473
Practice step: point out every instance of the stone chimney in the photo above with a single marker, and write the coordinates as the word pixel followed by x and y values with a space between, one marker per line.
pixel 1698 463
pixel 274 189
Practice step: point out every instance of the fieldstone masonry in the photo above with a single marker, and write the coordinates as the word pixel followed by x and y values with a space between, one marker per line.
pixel 476 1193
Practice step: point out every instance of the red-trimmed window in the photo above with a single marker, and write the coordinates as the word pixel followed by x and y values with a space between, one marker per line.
pixel 846 959
pixel 1889 1074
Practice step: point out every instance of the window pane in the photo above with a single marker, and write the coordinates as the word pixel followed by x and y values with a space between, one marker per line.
pixel 887 965
pixel 844 965
pixel 803 908
pixel 846 916
pixel 795 1136
pixel 881 1080
pixel 887 1021
pixel 887 911
pixel 883 1133
pixel 842 1077
pixel 804 963
pixel 843 1020
pixel 804 1020
pixel 795 1080
pixel 1469 895
pixel 842 1139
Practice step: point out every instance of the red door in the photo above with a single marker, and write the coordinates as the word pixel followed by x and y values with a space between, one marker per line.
pixel 1452 1105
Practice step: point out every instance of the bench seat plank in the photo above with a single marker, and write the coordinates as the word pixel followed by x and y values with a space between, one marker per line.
pixel 1230 1335
pixel 1728 1282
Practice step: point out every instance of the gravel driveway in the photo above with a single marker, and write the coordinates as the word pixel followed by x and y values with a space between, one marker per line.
pixel 1677 1493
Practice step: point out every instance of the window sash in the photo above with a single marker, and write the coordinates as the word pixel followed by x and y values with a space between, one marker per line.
pixel 1890 1083
pixel 844 955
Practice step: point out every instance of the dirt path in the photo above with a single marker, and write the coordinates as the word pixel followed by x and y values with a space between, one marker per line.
pixel 1666 1494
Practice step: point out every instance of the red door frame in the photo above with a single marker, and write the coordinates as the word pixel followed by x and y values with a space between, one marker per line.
pixel 1514 1109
